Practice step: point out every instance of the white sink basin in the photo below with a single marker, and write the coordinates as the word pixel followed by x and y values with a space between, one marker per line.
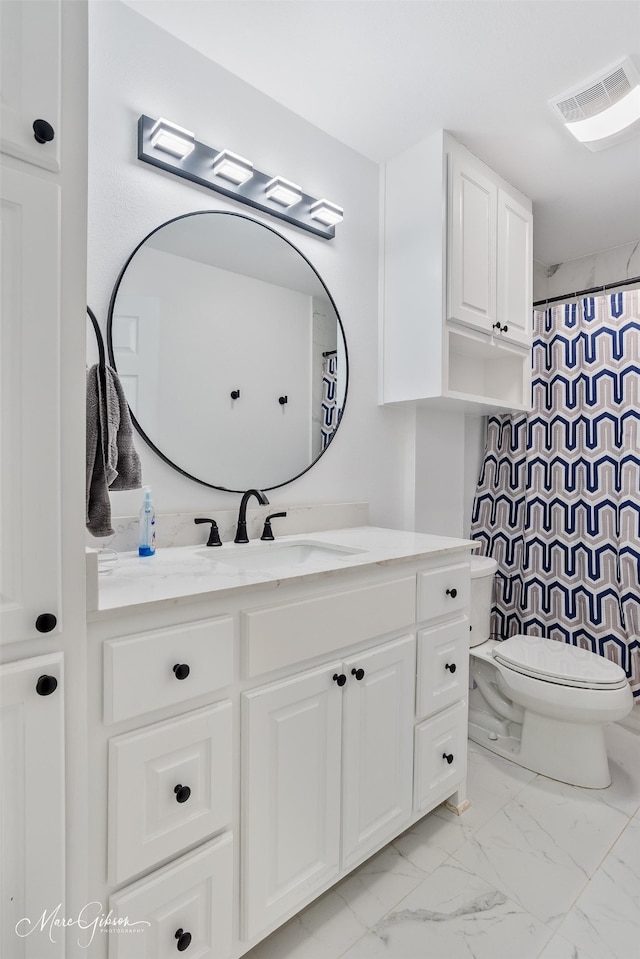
pixel 268 555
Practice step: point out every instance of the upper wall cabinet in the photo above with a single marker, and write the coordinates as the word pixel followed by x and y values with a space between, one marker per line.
pixel 30 81
pixel 456 323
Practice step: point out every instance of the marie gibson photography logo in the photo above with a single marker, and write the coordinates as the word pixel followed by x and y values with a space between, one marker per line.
pixel 90 919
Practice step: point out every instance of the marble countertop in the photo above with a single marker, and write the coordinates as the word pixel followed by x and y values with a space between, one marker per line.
pixel 194 570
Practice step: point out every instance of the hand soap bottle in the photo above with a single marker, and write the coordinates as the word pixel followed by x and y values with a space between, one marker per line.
pixel 147 531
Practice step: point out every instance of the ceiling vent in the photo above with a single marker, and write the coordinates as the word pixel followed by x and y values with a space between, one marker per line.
pixel 603 110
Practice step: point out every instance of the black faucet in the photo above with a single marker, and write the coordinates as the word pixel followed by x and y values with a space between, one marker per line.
pixel 241 531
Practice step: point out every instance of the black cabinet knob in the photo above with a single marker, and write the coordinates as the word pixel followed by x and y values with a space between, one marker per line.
pixel 46 622
pixel 46 685
pixel 181 670
pixel 182 792
pixel 282 400
pixel 339 678
pixel 43 131
pixel 451 667
pixel 184 939
pixel 452 593
pixel 448 757
pixel 505 328
pixel 234 394
pixel 358 673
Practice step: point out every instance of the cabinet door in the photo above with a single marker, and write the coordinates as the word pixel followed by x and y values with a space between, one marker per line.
pixel 32 845
pixel 472 222
pixel 443 666
pixel 440 756
pixel 515 269
pixel 377 740
pixel 29 403
pixel 30 79
pixel 290 793
pixel 184 907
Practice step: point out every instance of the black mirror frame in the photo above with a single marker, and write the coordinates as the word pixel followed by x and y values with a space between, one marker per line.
pixel 135 422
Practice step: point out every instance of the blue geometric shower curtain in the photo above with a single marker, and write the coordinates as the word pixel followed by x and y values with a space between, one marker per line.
pixel 330 412
pixel 558 499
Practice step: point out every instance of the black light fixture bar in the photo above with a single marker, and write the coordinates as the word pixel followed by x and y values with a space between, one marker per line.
pixel 198 168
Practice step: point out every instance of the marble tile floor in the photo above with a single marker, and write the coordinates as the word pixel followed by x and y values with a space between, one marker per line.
pixel 533 870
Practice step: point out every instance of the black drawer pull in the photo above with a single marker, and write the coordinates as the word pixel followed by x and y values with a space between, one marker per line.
pixel 181 670
pixel 452 592
pixel 46 685
pixel 46 622
pixel 358 673
pixel 451 667
pixel 184 939
pixel 448 757
pixel 339 678
pixel 182 794
pixel 43 131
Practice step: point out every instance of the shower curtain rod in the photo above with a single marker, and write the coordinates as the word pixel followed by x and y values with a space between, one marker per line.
pixel 594 289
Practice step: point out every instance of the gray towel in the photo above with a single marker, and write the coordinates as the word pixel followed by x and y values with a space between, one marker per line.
pixel 112 461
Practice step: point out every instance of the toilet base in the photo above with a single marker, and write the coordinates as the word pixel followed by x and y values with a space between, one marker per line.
pixel 572 753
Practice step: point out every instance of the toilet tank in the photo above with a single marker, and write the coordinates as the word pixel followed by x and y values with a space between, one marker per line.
pixel 483 571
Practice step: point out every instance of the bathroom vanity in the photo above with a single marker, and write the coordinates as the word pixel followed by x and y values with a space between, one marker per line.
pixel 263 718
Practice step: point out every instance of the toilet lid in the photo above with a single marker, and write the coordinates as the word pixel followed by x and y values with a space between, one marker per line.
pixel 558 662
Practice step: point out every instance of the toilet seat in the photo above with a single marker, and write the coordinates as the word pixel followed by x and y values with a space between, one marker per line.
pixel 558 663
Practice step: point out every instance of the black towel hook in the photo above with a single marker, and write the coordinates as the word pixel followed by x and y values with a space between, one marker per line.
pixel 100 341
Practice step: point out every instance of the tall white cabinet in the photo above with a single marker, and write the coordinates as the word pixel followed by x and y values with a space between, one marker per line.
pixel 42 611
pixel 457 282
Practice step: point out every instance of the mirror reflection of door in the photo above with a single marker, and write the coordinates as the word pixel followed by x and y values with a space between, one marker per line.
pixel 135 340
pixel 214 303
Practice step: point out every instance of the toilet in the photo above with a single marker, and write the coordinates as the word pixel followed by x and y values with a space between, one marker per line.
pixel 540 703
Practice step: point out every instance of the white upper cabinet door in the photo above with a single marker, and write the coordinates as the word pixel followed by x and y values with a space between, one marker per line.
pixel 377 759
pixel 30 80
pixel 32 851
pixel 29 406
pixel 515 269
pixel 290 793
pixel 472 221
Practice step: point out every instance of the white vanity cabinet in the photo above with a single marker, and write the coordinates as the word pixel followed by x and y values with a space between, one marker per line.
pixel 258 744
pixel 458 268
pixel 327 775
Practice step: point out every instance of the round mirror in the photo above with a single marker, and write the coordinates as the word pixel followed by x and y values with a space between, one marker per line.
pixel 230 351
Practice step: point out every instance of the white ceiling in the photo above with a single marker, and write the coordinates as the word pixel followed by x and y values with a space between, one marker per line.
pixel 381 74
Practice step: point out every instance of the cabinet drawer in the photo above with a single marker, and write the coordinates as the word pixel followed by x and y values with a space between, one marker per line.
pixel 169 786
pixel 437 739
pixel 139 673
pixel 288 633
pixel 191 897
pixel 442 591
pixel 443 666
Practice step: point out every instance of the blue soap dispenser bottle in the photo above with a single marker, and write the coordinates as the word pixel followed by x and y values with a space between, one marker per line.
pixel 147 532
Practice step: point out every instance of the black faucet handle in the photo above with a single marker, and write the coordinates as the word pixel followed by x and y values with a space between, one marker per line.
pixel 214 535
pixel 267 532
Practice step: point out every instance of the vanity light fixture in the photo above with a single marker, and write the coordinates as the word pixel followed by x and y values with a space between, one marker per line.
pixel 233 167
pixel 603 110
pixel 283 191
pixel 172 139
pixel 326 212
pixel 168 147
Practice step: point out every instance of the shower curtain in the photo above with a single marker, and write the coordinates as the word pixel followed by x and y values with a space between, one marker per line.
pixel 558 499
pixel 330 413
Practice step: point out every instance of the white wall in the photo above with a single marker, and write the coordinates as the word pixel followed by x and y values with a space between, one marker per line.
pixel 597 269
pixel 137 68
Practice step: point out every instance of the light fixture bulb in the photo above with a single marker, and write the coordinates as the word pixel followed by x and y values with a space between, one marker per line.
pixel 170 138
pixel 233 167
pixel 283 191
pixel 607 123
pixel 326 212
